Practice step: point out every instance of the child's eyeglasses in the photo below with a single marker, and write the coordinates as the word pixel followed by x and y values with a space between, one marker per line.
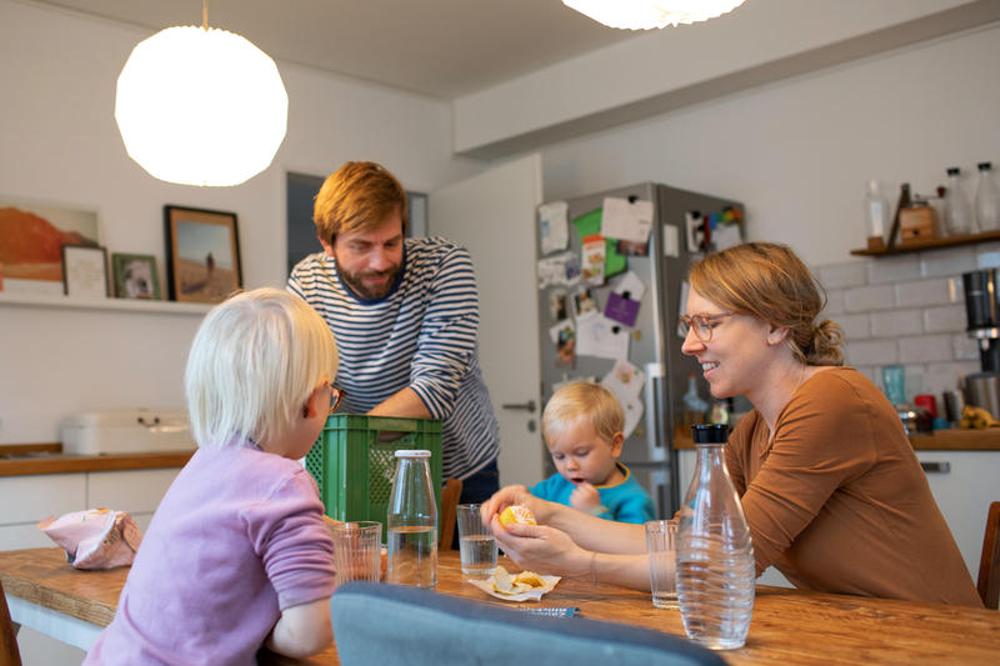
pixel 336 397
pixel 701 324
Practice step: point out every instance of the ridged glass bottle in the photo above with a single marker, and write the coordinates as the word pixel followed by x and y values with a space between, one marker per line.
pixel 412 522
pixel 715 563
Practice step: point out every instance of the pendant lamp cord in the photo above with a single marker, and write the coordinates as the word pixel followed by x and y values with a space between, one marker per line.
pixel 204 15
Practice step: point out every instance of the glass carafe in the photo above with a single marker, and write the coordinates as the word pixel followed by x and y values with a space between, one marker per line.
pixel 412 522
pixel 715 563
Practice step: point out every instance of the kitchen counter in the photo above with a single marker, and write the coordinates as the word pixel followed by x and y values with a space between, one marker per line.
pixel 48 458
pixel 940 440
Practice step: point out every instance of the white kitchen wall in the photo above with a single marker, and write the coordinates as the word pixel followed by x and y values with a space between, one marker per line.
pixel 798 153
pixel 59 142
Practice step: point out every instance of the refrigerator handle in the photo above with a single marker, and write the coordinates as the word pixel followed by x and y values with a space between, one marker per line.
pixel 655 374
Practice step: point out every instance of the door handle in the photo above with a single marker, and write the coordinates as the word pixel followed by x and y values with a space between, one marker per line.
pixel 525 406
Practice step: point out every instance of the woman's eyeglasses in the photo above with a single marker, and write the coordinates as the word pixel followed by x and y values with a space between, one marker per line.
pixel 336 397
pixel 701 324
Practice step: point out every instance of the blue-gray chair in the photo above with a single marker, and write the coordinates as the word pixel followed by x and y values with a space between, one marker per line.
pixel 392 625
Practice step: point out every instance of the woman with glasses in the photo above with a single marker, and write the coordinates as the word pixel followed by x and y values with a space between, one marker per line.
pixel 833 493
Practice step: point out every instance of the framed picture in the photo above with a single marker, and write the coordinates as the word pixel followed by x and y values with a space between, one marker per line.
pixel 135 276
pixel 203 254
pixel 85 271
pixel 32 234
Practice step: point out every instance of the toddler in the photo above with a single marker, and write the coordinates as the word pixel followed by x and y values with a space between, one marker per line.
pixel 582 426
pixel 237 553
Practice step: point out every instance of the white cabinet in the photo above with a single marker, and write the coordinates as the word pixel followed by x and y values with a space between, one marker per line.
pixel 964 493
pixel 25 500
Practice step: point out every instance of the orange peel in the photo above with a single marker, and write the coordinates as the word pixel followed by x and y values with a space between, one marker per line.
pixel 517 513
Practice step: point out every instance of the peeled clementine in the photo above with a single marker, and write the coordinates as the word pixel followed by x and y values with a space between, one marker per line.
pixel 516 513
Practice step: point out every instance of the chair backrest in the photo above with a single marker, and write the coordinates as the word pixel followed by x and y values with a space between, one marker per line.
pixel 989 562
pixel 450 494
pixel 9 654
pixel 392 625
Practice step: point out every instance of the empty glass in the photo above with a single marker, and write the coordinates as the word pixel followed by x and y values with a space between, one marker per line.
pixel 357 551
pixel 661 536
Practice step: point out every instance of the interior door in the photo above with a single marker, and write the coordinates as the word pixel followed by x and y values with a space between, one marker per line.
pixel 493 216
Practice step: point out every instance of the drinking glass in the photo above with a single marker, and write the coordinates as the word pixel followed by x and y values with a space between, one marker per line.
pixel 357 551
pixel 476 543
pixel 661 540
pixel 893 381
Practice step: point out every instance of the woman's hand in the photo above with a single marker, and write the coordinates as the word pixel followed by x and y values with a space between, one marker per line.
pixel 542 549
pixel 509 495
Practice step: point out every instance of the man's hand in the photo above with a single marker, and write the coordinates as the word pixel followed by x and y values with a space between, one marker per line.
pixel 586 498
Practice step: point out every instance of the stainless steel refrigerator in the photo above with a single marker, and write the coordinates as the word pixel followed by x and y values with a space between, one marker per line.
pixel 654 345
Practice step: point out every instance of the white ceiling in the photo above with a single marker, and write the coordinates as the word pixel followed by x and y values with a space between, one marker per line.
pixel 440 48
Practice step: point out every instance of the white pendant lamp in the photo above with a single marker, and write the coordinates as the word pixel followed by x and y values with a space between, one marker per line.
pixel 649 14
pixel 201 106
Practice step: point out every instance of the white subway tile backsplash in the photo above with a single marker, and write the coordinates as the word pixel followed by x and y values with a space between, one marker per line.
pixel 894 269
pixel 856 326
pixel 838 276
pixel 925 349
pixel 871 352
pixel 989 259
pixel 834 303
pixel 926 292
pixel 863 299
pixel 894 323
pixel 943 377
pixel 964 347
pixel 952 261
pixel 944 319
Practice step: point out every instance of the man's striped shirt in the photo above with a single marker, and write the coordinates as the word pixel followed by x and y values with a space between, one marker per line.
pixel 422 335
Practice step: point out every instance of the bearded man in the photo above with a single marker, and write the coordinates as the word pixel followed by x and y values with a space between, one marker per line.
pixel 405 314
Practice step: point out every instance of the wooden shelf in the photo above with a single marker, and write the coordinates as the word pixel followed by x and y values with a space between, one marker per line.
pixel 931 244
pixel 120 304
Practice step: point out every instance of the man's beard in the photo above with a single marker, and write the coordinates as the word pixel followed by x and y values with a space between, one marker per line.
pixel 356 282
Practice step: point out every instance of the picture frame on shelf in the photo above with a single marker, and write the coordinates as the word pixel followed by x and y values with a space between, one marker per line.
pixel 135 276
pixel 85 271
pixel 203 254
pixel 32 234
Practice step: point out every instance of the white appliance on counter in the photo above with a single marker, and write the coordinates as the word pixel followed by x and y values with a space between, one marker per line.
pixel 126 431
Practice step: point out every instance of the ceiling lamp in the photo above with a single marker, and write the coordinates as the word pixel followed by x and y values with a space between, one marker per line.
pixel 201 106
pixel 649 14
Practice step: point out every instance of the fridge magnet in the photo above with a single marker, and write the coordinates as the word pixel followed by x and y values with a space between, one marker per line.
pixel 203 254
pixel 561 269
pixel 584 301
pixel 589 224
pixel 623 301
pixel 627 219
pixel 563 337
pixel 135 276
pixel 552 227
pixel 596 335
pixel 32 234
pixel 557 305
pixel 85 271
pixel 592 269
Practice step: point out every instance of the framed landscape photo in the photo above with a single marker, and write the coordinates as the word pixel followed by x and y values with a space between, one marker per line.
pixel 85 271
pixel 203 254
pixel 135 276
pixel 32 234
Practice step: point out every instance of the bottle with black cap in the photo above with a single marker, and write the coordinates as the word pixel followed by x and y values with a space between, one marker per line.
pixel 715 563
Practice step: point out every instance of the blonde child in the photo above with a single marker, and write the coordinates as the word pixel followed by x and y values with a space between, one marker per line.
pixel 237 554
pixel 582 426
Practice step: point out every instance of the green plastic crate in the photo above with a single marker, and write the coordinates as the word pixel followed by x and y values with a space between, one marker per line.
pixel 354 461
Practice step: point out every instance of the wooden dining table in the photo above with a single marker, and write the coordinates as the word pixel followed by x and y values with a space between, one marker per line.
pixel 788 626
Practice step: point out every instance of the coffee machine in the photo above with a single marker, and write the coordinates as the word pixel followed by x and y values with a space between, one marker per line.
pixel 982 312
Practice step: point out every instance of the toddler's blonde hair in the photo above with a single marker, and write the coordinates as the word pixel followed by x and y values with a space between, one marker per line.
pixel 579 400
pixel 254 362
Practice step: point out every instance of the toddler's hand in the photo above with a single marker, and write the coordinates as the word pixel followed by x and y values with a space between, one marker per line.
pixel 585 498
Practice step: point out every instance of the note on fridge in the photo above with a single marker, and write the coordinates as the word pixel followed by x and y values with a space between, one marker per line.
pixel 627 221
pixel 599 336
pixel 553 227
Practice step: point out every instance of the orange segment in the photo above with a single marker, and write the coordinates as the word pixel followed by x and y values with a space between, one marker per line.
pixel 517 513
